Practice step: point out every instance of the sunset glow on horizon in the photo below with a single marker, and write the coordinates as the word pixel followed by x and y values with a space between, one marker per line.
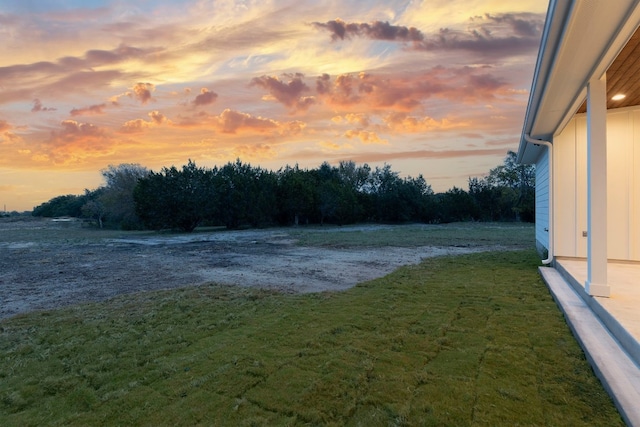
pixel 437 88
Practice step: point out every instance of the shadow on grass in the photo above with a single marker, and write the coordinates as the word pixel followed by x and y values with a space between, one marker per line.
pixel 467 340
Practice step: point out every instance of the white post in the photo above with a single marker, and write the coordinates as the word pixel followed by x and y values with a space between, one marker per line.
pixel 597 284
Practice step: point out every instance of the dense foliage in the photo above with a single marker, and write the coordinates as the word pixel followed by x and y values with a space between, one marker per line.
pixel 239 195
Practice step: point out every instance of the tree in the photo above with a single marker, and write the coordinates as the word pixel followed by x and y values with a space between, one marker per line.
pixel 69 205
pixel 176 199
pixel 296 194
pixel 245 194
pixel 507 193
pixel 93 208
pixel 397 199
pixel 455 205
pixel 116 199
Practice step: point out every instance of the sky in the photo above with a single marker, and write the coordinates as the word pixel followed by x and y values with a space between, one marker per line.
pixel 432 87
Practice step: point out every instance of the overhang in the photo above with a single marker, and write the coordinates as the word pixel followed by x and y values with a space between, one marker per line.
pixel 580 41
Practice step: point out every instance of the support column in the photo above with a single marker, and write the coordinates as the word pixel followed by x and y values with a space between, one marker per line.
pixel 597 284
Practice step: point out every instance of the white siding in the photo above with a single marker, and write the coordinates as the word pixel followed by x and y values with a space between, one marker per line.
pixel 634 178
pixel 623 186
pixel 619 142
pixel 581 186
pixel 565 178
pixel 542 200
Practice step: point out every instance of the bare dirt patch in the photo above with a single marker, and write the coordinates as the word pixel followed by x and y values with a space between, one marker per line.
pixel 43 274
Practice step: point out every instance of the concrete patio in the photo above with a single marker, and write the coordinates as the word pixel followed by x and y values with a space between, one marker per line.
pixel 608 329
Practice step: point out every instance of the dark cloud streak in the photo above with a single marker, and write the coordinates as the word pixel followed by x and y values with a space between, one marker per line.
pixel 377 30
pixel 89 111
pixel 503 34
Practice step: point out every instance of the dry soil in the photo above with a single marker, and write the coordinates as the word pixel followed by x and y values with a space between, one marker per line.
pixel 37 275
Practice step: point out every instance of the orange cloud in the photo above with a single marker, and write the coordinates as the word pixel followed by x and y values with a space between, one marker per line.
pixel 358 119
pixel 233 122
pixel 5 132
pixel 404 123
pixel 425 154
pixel 73 143
pixel 142 92
pixel 134 126
pixel 366 137
pixel 139 125
pixel 257 151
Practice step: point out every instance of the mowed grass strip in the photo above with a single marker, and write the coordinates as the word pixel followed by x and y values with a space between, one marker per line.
pixel 459 341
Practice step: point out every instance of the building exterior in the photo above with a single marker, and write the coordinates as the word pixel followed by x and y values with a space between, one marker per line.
pixel 582 131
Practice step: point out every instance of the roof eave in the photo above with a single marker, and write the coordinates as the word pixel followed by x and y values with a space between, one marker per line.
pixel 569 56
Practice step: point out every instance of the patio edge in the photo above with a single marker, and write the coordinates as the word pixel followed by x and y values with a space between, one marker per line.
pixel 618 373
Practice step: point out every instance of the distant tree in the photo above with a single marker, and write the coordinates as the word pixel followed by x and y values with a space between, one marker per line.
pixel 116 200
pixel 176 199
pixel 400 200
pixel 93 207
pixel 69 205
pixel 246 195
pixel 507 193
pixel 296 195
pixel 455 205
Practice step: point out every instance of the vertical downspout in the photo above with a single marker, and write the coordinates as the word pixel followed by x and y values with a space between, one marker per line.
pixel 549 146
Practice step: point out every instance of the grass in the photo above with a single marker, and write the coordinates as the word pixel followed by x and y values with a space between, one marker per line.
pixel 459 341
pixel 507 235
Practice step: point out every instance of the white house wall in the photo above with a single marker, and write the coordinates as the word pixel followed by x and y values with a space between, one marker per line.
pixel 623 186
pixel 542 201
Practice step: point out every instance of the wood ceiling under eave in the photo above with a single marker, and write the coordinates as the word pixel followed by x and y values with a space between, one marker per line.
pixel 623 76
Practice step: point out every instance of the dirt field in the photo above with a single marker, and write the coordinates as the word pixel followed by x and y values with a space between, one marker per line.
pixel 44 264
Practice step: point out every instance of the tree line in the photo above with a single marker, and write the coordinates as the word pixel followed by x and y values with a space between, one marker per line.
pixel 240 195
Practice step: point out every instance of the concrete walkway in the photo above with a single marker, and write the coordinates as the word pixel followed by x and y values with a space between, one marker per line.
pixel 618 372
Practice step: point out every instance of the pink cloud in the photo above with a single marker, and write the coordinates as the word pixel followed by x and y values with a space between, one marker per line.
pixel 205 97
pixel 37 107
pixel 92 110
pixel 405 93
pixel 288 93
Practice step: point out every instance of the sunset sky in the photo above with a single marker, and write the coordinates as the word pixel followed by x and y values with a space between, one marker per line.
pixel 432 87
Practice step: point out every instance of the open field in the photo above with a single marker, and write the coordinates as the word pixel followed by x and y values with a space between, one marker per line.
pixel 49 264
pixel 471 339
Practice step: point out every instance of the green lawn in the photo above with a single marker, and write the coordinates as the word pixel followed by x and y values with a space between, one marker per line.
pixel 462 234
pixel 468 340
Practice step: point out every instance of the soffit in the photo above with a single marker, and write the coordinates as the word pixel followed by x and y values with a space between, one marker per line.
pixel 595 33
pixel 623 76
